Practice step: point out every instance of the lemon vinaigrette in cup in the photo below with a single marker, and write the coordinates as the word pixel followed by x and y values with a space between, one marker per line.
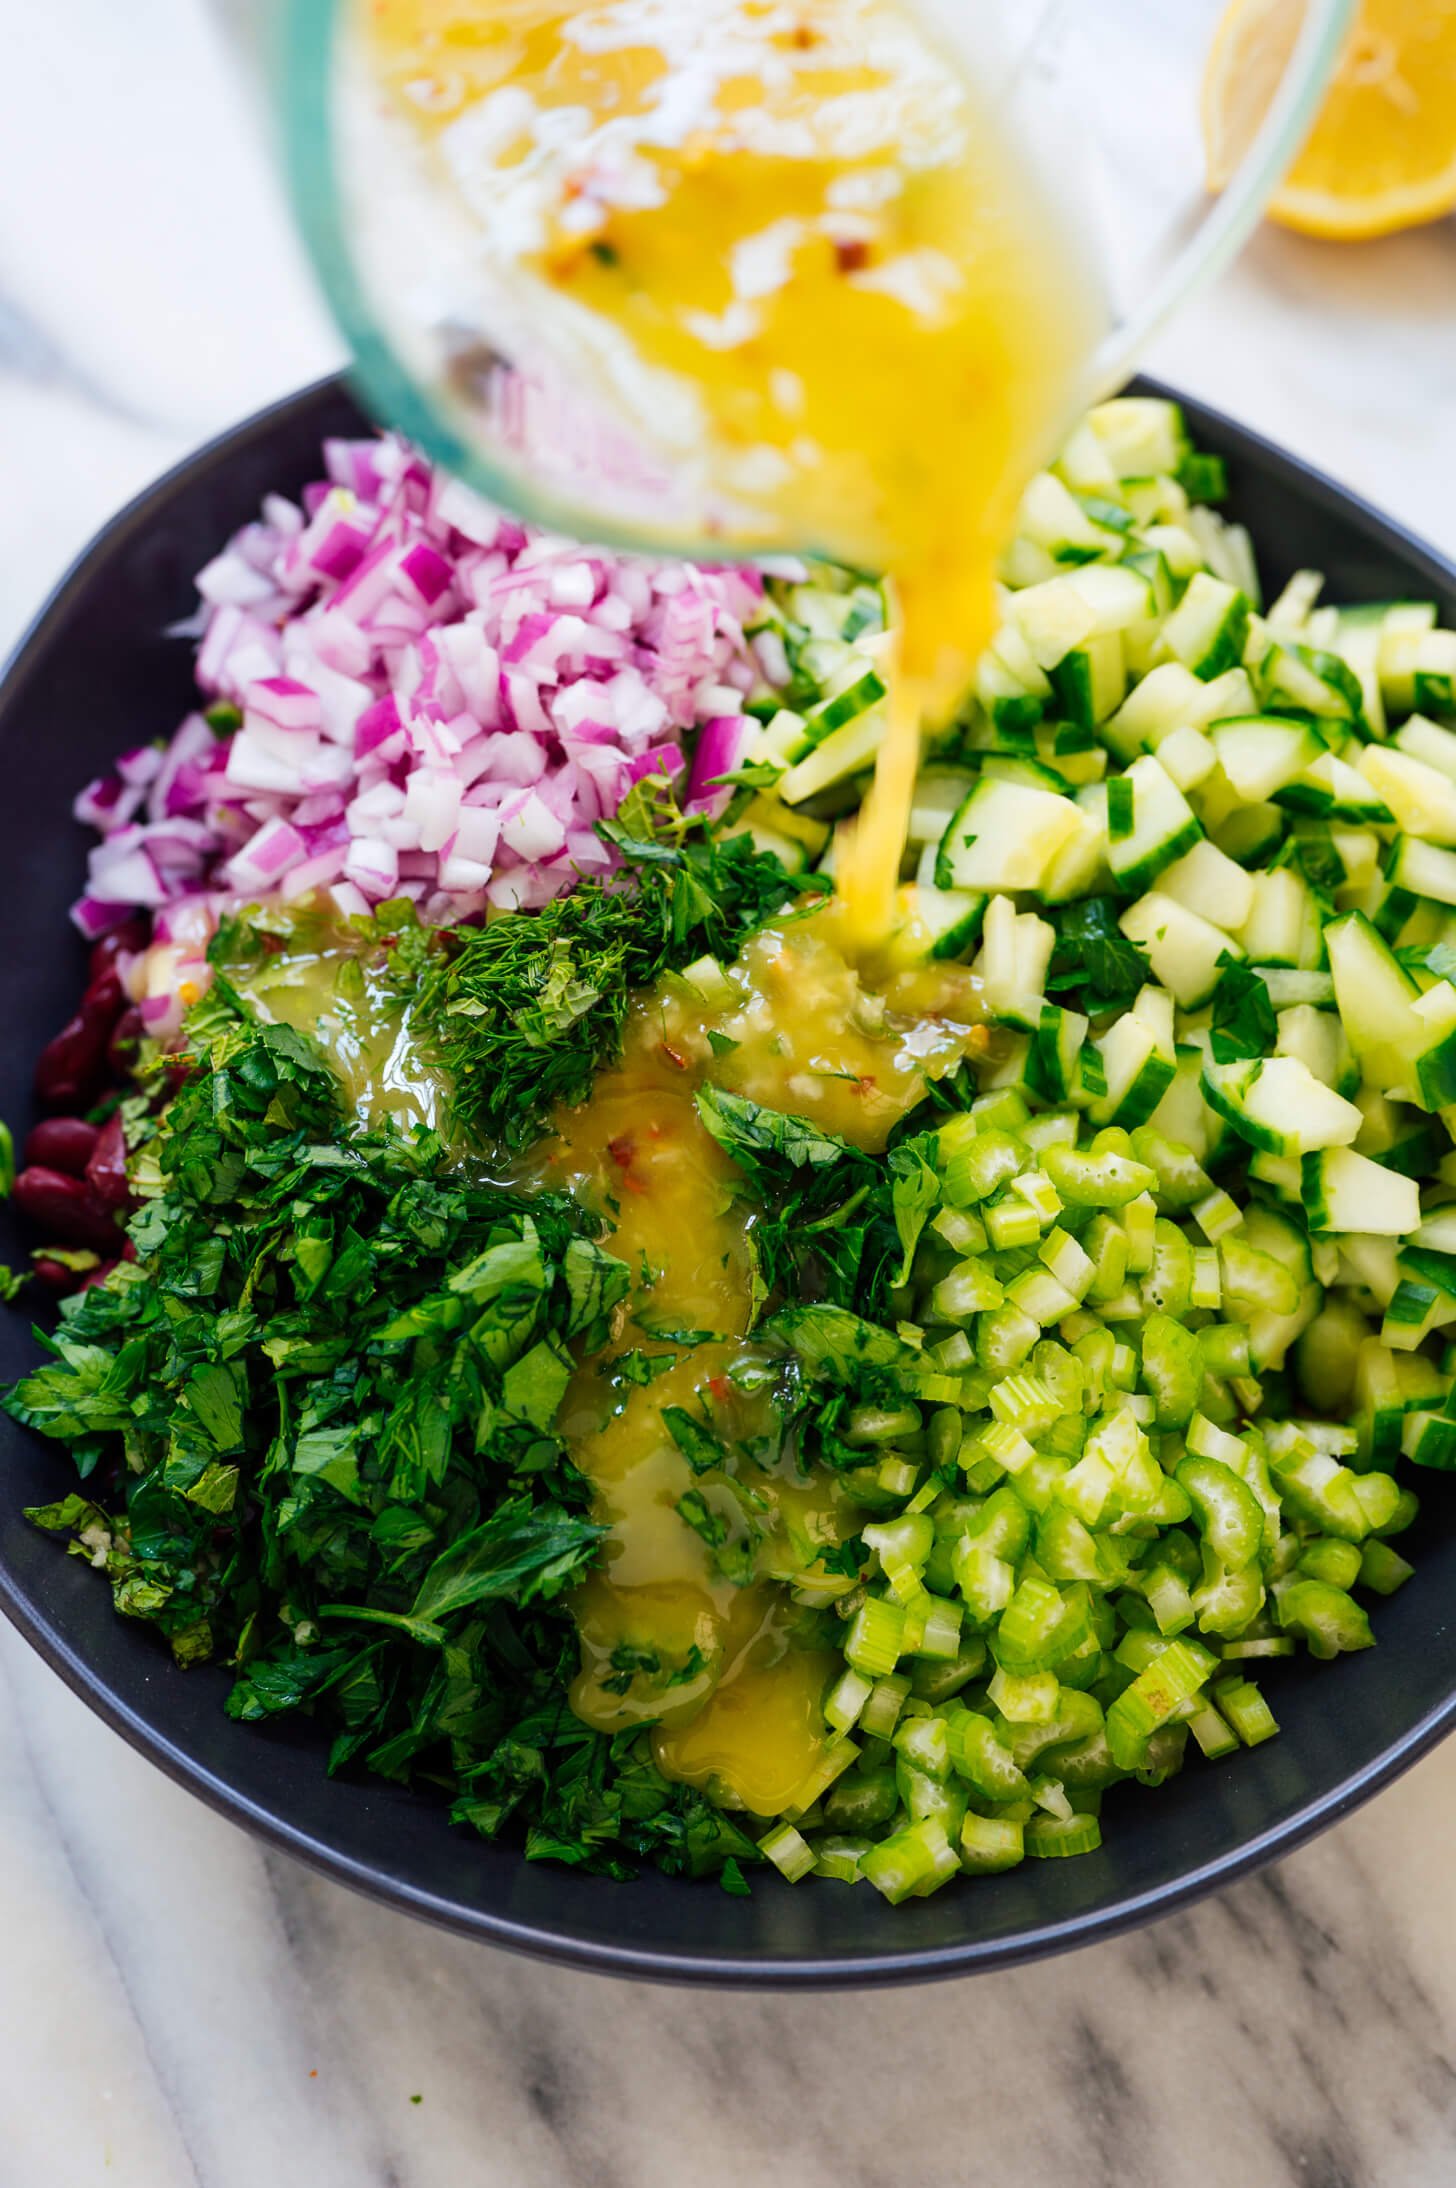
pixel 797 240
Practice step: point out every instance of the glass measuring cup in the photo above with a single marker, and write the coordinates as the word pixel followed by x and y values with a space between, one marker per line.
pixel 1102 102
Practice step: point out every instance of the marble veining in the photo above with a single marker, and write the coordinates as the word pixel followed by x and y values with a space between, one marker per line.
pixel 181 2009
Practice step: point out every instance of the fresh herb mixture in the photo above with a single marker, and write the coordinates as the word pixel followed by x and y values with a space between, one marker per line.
pixel 331 1378
pixel 521 1012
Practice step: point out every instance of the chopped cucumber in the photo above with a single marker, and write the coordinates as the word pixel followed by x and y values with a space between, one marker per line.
pixel 1005 835
pixel 1284 927
pixel 1149 824
pixel 939 793
pixel 1262 755
pixel 1187 953
pixel 1345 1191
pixel 1429 742
pixel 844 752
pixel 944 923
pixel 1317 1038
pixel 1302 680
pixel 1081 863
pixel 1135 1061
pixel 1206 631
pixel 1422 798
pixel 1278 1105
pixel 1142 436
pixel 1207 881
pixel 1249 834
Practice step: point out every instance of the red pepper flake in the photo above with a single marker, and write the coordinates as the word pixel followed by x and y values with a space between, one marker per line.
pixel 851 254
pixel 622 1151
pixel 718 1388
pixel 675 1056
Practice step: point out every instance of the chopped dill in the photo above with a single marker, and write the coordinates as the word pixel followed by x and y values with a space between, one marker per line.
pixel 522 1012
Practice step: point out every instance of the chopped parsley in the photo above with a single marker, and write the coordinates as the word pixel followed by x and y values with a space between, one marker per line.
pixel 1244 1019
pixel 315 1420
pixel 762 1140
pixel 698 1443
pixel 1093 962
pixel 694 1510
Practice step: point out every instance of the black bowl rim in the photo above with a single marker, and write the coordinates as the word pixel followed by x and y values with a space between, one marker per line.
pixel 801 1972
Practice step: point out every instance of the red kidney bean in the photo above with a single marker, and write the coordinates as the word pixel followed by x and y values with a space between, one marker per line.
pixel 105 998
pixel 69 1068
pixel 56 1277
pixel 132 934
pixel 122 1050
pixel 62 1143
pixel 67 1209
pixel 106 1171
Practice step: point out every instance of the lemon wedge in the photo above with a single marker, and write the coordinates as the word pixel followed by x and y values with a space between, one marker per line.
pixel 1382 153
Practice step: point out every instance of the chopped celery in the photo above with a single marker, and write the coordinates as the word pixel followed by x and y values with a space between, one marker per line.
pixel 1052 1838
pixel 791 1854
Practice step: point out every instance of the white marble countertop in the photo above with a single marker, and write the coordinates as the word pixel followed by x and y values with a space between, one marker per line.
pixel 179 2009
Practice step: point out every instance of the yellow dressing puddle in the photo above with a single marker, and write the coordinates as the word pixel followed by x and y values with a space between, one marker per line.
pixel 716 1658
pixel 761 1733
pixel 348 1001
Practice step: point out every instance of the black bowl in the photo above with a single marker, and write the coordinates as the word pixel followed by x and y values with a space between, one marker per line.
pixel 95 675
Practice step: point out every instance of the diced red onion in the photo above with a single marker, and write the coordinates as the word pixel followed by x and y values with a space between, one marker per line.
pixel 427 571
pixel 92 919
pixel 719 751
pixel 312 874
pixel 106 803
pixel 284 702
pixel 436 701
pixel 351 901
pixel 532 830
pixel 131 880
pixel 268 855
pixel 281 515
pixel 236 649
pixel 372 865
pixel 232 580
pixel 139 766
